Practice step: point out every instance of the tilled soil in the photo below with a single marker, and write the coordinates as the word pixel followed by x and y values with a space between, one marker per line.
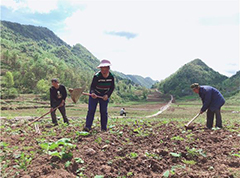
pixel 139 149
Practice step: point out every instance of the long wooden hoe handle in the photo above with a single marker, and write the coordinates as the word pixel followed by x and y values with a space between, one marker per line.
pixel 88 94
pixel 44 115
pixel 192 120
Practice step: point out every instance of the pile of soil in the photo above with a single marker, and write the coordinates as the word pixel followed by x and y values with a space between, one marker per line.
pixel 140 149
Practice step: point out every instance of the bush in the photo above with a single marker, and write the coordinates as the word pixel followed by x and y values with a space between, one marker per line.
pixel 10 93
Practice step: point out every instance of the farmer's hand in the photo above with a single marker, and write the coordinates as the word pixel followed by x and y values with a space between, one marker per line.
pixel 62 103
pixel 105 97
pixel 51 110
pixel 94 96
pixel 201 112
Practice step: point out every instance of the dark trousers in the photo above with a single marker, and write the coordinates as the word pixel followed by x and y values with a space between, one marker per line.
pixel 210 117
pixel 123 114
pixel 92 106
pixel 63 112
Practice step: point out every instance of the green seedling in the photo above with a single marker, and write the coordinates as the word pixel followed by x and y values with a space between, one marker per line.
pixel 79 160
pixel 23 161
pixel 176 155
pixel 133 155
pixel 190 162
pixel 177 138
pixel 98 140
pixel 99 176
pixel 129 174
pixel 166 173
pixel 153 155
pixel 195 153
pixel 237 154
pixel 82 133
pixel 67 164
pixel 172 170
pixel 63 144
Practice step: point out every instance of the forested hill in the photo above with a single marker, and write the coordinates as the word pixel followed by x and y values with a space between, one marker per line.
pixel 146 82
pixel 34 33
pixel 178 84
pixel 31 56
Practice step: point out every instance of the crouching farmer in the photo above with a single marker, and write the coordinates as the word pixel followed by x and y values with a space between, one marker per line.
pixel 212 101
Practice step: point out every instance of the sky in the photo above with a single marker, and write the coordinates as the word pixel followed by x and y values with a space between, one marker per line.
pixel 151 38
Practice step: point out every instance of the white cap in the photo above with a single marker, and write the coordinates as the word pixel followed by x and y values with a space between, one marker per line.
pixel 104 63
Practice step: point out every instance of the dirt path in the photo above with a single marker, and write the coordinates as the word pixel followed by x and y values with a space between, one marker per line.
pixel 165 107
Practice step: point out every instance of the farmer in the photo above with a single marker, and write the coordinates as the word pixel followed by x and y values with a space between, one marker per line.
pixel 123 112
pixel 58 96
pixel 102 85
pixel 212 101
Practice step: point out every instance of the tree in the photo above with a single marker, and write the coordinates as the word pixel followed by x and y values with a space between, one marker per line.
pixel 8 79
pixel 42 86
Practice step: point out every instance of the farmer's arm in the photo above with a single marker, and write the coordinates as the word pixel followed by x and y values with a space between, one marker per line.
pixel 51 99
pixel 111 88
pixel 64 95
pixel 93 87
pixel 206 101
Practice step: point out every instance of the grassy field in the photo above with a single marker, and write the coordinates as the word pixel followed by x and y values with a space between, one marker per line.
pixel 180 111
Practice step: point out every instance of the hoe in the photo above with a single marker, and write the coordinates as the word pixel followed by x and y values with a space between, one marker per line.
pixel 188 126
pixel 75 95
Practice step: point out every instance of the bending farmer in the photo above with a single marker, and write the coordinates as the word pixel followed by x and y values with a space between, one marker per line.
pixel 58 96
pixel 102 85
pixel 212 101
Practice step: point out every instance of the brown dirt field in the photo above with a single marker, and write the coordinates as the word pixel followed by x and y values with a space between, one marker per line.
pixel 138 149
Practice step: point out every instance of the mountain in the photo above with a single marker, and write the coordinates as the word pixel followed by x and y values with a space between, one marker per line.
pixel 139 80
pixel 231 86
pixel 31 56
pixel 145 82
pixel 196 71
pixel 31 32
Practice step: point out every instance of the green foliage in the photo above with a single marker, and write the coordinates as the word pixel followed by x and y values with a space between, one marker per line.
pixel 7 87
pixel 190 162
pixel 42 86
pixel 231 86
pixel 178 84
pixel 193 152
pixel 35 55
pixel 177 138
pixel 133 155
pixel 177 155
pixel 83 133
pixel 8 79
pixel 63 144
pixel 23 160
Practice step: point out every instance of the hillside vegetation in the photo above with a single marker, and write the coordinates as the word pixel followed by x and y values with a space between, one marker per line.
pixel 196 71
pixel 31 56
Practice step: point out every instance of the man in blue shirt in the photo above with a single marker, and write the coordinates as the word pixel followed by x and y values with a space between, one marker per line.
pixel 212 101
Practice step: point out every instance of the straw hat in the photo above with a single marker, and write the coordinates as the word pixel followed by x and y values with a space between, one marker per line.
pixel 104 63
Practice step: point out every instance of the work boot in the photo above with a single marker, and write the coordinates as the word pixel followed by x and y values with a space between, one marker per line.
pixel 104 130
pixel 67 123
pixel 86 129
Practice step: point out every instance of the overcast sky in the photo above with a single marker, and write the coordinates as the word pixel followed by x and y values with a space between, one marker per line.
pixel 147 38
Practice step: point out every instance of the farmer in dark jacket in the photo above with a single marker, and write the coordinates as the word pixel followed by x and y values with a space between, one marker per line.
pixel 58 96
pixel 102 85
pixel 212 101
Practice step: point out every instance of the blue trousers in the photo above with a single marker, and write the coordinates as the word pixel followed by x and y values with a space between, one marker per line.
pixel 92 106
